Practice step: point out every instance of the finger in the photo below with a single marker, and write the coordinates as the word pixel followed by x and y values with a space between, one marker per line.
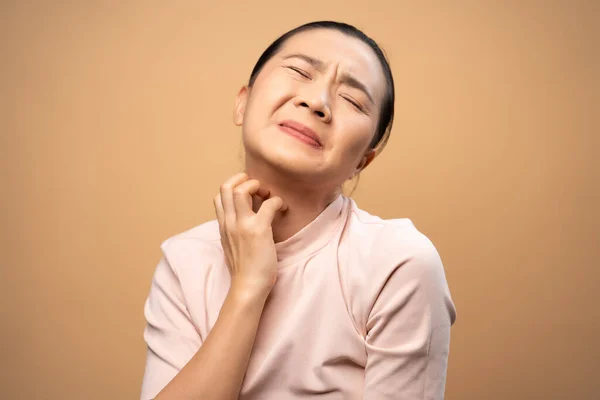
pixel 220 213
pixel 242 197
pixel 218 207
pixel 261 195
pixel 220 218
pixel 263 192
pixel 226 191
pixel 269 207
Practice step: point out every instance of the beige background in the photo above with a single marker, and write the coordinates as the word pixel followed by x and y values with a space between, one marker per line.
pixel 116 132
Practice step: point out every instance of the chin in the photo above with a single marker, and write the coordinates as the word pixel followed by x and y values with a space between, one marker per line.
pixel 293 163
pixel 287 161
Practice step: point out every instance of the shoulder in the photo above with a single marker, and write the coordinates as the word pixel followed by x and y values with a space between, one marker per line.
pixel 389 240
pixel 390 254
pixel 201 243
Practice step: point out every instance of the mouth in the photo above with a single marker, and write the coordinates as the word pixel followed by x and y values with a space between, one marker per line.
pixel 301 132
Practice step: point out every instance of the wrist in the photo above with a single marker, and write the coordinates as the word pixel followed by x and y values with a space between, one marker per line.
pixel 246 290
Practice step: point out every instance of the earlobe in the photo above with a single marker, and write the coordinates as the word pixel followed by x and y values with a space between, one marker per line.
pixel 240 106
pixel 364 162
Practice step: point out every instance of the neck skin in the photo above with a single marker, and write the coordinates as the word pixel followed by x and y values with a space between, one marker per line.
pixel 305 201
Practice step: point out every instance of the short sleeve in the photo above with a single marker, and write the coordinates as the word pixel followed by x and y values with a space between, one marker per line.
pixel 408 328
pixel 170 334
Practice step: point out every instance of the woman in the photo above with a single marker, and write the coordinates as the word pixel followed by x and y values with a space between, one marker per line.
pixel 293 291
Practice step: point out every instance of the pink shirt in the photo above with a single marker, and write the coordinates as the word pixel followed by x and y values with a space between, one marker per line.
pixel 361 310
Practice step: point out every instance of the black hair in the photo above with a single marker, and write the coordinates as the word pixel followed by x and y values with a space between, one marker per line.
pixel 386 118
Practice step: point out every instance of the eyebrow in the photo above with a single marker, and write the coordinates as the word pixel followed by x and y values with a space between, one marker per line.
pixel 345 78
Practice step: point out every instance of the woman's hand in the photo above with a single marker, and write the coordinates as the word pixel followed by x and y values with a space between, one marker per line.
pixel 246 236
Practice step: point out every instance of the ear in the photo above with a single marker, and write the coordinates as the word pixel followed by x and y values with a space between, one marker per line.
pixel 364 162
pixel 240 105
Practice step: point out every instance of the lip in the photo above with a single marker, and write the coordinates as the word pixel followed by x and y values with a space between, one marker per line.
pixel 294 128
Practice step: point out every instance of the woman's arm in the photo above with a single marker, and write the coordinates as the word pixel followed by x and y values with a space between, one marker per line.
pixel 217 369
pixel 171 335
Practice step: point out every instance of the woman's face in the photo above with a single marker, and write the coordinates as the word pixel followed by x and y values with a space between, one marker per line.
pixel 321 83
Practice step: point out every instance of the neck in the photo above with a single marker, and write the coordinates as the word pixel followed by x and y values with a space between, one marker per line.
pixel 305 200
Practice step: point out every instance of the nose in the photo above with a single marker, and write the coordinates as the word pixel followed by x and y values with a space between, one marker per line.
pixel 316 103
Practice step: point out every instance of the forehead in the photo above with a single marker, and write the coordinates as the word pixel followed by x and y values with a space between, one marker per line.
pixel 332 47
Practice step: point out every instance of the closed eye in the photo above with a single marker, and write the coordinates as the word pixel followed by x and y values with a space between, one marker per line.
pixel 354 103
pixel 300 72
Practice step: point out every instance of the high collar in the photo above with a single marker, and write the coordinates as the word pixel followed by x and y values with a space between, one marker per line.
pixel 313 236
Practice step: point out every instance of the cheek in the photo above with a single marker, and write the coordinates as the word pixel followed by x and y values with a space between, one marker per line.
pixel 355 135
pixel 265 99
pixel 270 94
pixel 255 113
